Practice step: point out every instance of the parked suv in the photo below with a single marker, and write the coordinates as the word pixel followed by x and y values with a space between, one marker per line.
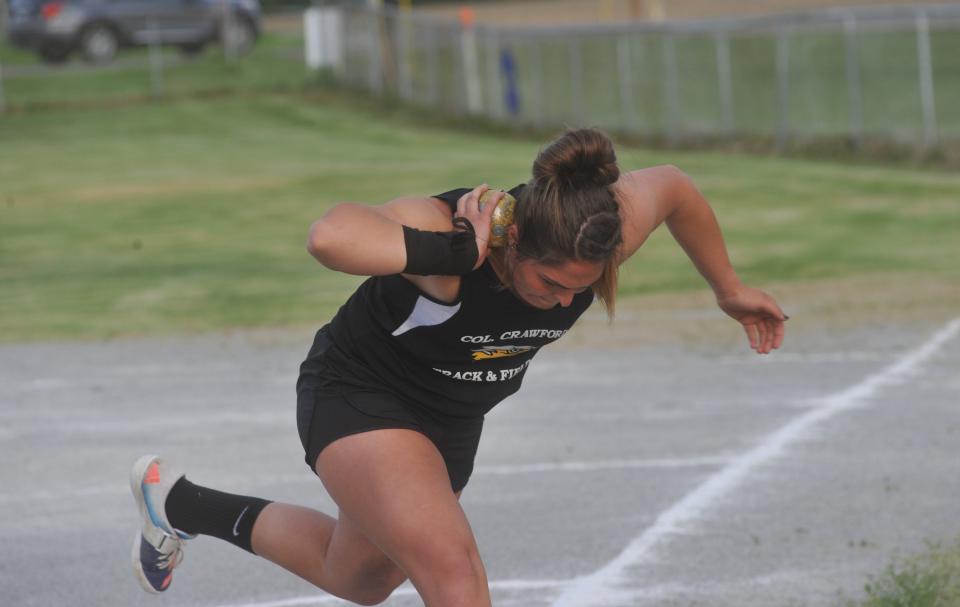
pixel 98 28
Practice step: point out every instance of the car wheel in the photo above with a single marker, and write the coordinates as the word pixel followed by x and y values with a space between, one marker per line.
pixel 99 44
pixel 54 54
pixel 239 36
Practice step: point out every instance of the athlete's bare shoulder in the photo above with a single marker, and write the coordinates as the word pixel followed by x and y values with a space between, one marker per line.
pixel 646 197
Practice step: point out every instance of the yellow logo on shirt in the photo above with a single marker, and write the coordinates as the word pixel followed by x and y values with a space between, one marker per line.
pixel 499 352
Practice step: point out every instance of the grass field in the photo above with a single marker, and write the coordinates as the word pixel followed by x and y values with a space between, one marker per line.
pixel 275 63
pixel 930 579
pixel 191 215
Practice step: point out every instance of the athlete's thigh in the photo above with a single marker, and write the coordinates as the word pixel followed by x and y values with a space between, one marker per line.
pixel 393 486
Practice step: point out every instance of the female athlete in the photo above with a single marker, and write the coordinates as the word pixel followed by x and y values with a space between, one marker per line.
pixel 393 392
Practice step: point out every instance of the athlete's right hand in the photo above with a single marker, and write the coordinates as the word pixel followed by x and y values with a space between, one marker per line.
pixel 468 207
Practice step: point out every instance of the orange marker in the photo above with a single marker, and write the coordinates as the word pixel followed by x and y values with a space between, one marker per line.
pixel 467 16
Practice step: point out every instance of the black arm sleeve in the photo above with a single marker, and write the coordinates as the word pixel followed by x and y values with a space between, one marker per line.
pixel 441 253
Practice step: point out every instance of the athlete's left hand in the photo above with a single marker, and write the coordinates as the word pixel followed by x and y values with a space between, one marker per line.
pixel 468 207
pixel 760 316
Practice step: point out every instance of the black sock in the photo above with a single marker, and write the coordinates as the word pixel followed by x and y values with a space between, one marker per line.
pixel 195 509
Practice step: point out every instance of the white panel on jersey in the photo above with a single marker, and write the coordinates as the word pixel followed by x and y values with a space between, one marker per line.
pixel 427 313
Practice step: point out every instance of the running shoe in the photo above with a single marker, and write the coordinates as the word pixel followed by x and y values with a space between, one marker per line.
pixel 157 547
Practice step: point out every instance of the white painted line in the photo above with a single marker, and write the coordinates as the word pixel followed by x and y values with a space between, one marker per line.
pixel 246 483
pixel 688 462
pixel 405 590
pixel 842 356
pixel 601 586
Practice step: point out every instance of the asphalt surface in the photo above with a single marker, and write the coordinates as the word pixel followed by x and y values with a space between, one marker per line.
pixel 692 473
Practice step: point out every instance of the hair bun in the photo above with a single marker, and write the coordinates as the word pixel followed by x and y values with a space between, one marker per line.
pixel 578 159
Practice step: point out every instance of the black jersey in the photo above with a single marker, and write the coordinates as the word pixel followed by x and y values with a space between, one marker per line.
pixel 459 358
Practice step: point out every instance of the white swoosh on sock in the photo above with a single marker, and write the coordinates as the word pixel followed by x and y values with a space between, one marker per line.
pixel 235 525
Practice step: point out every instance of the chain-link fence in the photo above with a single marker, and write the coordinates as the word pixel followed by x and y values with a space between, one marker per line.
pixel 859 74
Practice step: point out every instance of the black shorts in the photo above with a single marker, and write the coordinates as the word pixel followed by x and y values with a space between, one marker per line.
pixel 328 410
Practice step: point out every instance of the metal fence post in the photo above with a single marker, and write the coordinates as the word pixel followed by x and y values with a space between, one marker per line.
pixel 463 77
pixel 3 98
pixel 433 68
pixel 854 97
pixel 926 79
pixel 536 85
pixel 351 67
pixel 671 92
pixel 724 81
pixel 375 53
pixel 387 31
pixel 156 63
pixel 625 77
pixel 313 39
pixel 471 69
pixel 642 69
pixel 576 79
pixel 783 89
pixel 404 61
pixel 494 93
pixel 335 39
pixel 349 72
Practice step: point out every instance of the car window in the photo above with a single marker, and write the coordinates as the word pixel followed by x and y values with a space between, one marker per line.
pixel 17 6
pixel 22 8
